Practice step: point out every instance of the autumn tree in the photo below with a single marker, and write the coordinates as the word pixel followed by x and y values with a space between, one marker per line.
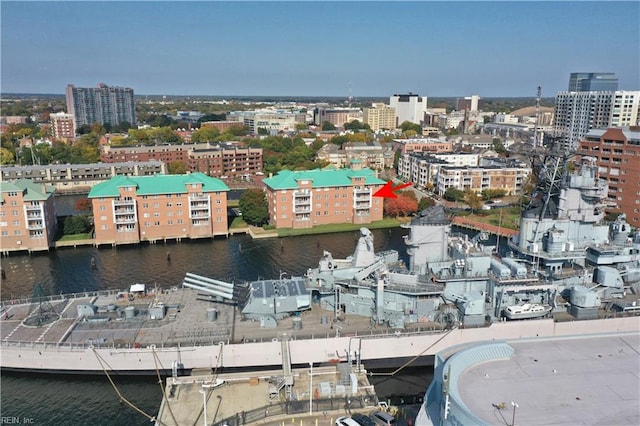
pixel 403 205
pixel 83 205
pixel 178 168
pixel 473 200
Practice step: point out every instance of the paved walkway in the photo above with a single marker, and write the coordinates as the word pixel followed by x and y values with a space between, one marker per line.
pixel 481 226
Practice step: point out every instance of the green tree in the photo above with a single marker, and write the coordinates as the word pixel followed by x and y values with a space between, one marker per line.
pixel 205 134
pixel 454 194
pixel 407 125
pixel 328 126
pixel 254 208
pixel 7 157
pixel 498 146
pixel 78 224
pixel 178 168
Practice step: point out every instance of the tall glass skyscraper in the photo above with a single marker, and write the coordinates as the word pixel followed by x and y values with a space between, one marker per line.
pixel 101 104
pixel 593 82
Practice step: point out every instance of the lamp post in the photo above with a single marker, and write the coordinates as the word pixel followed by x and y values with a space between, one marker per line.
pixel 310 388
pixel 513 418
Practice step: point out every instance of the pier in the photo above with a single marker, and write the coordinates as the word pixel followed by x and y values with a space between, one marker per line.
pixel 464 222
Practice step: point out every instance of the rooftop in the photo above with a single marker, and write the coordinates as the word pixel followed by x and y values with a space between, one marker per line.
pixel 157 184
pixel 322 178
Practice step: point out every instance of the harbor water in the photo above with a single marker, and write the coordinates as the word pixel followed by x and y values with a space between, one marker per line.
pixel 74 400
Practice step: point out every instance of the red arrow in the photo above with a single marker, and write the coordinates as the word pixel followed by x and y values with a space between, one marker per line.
pixel 387 191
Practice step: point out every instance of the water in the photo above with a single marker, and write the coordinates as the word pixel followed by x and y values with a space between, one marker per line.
pixel 74 400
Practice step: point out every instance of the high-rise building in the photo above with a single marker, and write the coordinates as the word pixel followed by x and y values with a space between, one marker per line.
pixel 578 112
pixel 410 107
pixel 592 82
pixel 63 125
pixel 101 104
pixel 380 116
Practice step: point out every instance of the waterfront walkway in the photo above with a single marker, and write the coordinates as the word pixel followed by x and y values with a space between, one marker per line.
pixel 465 222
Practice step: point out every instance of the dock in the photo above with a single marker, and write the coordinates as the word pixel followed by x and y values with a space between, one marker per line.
pixel 251 397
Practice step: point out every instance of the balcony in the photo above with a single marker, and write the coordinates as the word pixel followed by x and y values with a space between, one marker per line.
pixel 31 207
pixel 124 202
pixel 125 219
pixel 198 197
pixel 35 226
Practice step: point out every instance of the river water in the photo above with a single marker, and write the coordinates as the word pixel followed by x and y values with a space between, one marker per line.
pixel 73 400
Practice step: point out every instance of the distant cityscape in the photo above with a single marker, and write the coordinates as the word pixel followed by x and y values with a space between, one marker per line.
pixel 86 141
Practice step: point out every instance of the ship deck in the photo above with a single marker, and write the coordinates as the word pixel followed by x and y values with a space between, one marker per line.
pixel 190 325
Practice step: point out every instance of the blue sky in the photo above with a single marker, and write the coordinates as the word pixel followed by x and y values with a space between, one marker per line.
pixel 317 48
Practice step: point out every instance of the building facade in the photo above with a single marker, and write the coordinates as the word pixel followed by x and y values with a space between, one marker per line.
pixel 101 104
pixel 80 177
pixel 410 107
pixel 477 179
pixel 336 116
pixel 63 126
pixel 380 117
pixel 27 216
pixel 427 145
pixel 216 160
pixel 422 168
pixel 371 155
pixel 617 154
pixel 128 210
pixel 592 82
pixel 304 199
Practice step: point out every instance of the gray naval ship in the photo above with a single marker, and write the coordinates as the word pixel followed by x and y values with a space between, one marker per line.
pixel 566 262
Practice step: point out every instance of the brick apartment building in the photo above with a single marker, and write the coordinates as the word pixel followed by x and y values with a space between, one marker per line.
pixel 128 209
pixel 427 145
pixel 617 154
pixel 27 216
pixel 304 199
pixel 216 160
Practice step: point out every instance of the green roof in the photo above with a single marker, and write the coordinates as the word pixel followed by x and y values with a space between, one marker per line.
pixel 321 178
pixel 157 184
pixel 31 191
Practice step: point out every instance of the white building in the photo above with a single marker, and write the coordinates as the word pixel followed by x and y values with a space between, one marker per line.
pixel 410 107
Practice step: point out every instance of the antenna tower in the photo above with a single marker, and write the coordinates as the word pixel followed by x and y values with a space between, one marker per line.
pixel 535 132
pixel 350 97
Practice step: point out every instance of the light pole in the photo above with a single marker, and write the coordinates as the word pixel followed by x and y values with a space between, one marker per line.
pixel 204 404
pixel 310 388
pixel 513 418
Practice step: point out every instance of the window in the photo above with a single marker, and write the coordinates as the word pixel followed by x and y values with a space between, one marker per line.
pixel 156 214
pixel 103 227
pixel 5 233
pixel 17 232
pixel 156 205
pixel 103 217
pixel 156 223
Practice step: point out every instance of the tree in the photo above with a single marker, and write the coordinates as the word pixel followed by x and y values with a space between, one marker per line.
pixel 178 168
pixel 498 146
pixel 7 157
pixel 407 125
pixel 83 205
pixel 205 134
pixel 404 205
pixel 328 126
pixel 425 203
pixel 254 208
pixel 76 225
pixel 473 200
pixel 454 194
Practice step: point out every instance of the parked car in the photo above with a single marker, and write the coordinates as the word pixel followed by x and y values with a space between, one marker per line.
pixel 363 420
pixel 346 421
pixel 383 419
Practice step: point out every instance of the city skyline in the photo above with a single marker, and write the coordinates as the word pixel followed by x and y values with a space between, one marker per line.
pixel 359 49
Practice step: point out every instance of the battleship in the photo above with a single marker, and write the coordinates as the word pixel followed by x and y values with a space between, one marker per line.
pixel 583 273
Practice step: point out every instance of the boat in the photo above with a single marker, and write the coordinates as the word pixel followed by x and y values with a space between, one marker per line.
pixel 369 306
pixel 526 311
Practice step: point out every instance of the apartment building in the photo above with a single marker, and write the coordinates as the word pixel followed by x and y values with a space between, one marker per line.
pixel 336 116
pixel 131 209
pixel 304 199
pixel 270 121
pixel 63 126
pixel 477 179
pixel 216 160
pixel 78 177
pixel 380 117
pixel 617 154
pixel 27 216
pixel 427 145
pixel 422 168
pixel 371 154
pixel 409 107
pixel 101 104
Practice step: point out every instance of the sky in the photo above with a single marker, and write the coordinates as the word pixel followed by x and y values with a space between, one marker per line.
pixel 305 48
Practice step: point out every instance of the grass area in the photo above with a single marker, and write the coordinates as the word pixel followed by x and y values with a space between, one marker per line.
pixel 510 217
pixel 233 203
pixel 74 237
pixel 341 227
pixel 238 222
